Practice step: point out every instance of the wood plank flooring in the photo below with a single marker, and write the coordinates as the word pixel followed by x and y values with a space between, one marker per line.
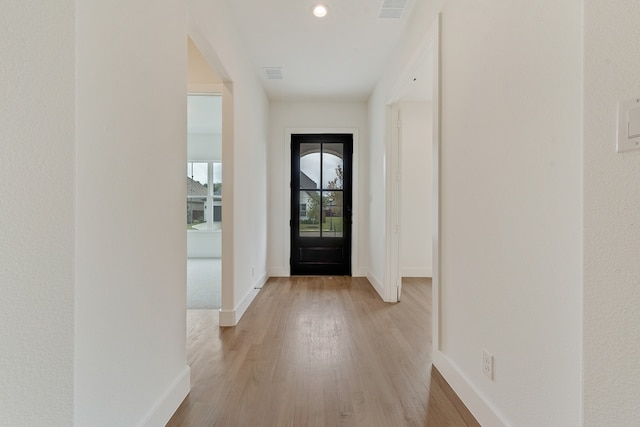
pixel 319 351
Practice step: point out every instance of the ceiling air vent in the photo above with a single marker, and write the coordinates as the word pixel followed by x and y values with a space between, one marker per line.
pixel 273 73
pixel 392 9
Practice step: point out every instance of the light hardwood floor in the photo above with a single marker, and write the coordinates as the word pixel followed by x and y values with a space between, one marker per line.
pixel 321 351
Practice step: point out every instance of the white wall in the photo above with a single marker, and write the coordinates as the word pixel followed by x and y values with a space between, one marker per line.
pixel 511 204
pixel 416 180
pixel 385 92
pixel 204 244
pixel 510 175
pixel 37 146
pixel 611 218
pixel 244 156
pixel 313 115
pixel 376 179
pixel 130 361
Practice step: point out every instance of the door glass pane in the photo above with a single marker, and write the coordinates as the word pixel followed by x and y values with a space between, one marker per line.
pixel 332 166
pixel 332 213
pixel 309 166
pixel 196 213
pixel 309 214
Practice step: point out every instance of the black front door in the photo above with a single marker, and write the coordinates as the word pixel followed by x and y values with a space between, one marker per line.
pixel 321 204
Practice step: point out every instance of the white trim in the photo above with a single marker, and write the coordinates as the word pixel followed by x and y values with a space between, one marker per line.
pixel 361 272
pixel 227 318
pixel 246 302
pixel 169 402
pixel 377 285
pixel 228 227
pixel 480 407
pixel 435 229
pixel 261 281
pixel 355 206
pixel 278 272
pixel 392 283
pixel 416 272
pixel 427 46
pixel 422 52
pixel 232 317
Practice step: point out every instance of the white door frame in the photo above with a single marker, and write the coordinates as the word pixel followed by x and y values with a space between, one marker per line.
pixel 392 277
pixel 355 194
pixel 227 315
pixel 430 45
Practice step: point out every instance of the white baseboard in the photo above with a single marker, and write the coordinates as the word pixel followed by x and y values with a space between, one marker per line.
pixel 416 272
pixel 278 272
pixel 473 400
pixel 231 318
pixel 260 283
pixel 359 272
pixel 246 302
pixel 285 272
pixel 169 402
pixel 227 318
pixel 377 285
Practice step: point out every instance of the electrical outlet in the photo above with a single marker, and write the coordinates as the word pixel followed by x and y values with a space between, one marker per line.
pixel 253 272
pixel 487 363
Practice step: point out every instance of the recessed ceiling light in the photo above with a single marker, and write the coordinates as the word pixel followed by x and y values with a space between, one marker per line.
pixel 320 10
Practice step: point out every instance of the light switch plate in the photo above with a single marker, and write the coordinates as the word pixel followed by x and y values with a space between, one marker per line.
pixel 628 125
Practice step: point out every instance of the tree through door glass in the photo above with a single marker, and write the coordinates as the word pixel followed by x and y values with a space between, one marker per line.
pixel 321 190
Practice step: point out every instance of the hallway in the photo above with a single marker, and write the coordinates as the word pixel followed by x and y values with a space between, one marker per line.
pixel 319 351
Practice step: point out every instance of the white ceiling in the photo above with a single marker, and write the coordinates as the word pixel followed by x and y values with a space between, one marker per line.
pixel 340 56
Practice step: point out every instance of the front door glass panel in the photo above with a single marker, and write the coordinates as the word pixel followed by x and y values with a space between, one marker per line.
pixel 321 212
pixel 321 204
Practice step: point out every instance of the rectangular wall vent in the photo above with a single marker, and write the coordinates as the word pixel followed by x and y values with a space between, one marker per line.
pixel 273 73
pixel 392 9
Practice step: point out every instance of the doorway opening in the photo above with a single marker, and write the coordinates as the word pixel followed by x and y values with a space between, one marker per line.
pixel 414 124
pixel 411 196
pixel 204 201
pixel 204 183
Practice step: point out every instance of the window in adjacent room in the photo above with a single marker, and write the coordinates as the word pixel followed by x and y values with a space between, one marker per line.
pixel 204 196
pixel 204 166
